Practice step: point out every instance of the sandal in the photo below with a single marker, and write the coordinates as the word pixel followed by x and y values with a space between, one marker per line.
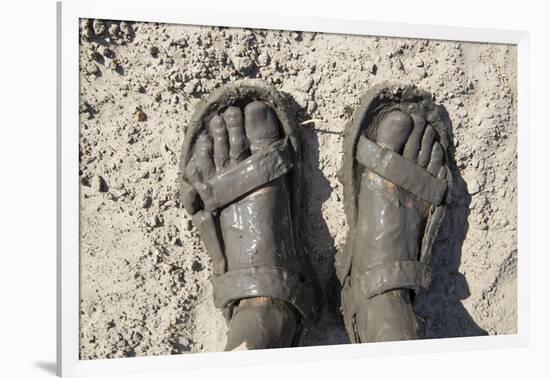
pixel 242 185
pixel 396 188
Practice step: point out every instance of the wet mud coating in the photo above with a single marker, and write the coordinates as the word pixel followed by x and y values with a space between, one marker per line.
pixel 241 168
pixel 397 185
pixel 145 273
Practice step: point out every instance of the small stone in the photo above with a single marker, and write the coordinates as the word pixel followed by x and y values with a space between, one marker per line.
pixel 107 52
pixel 473 186
pixel 157 220
pixel 154 51
pixel 126 28
pixel 98 184
pixel 114 30
pixel 488 114
pixel 197 266
pixel 400 65
pixel 139 115
pixel 146 201
pixel 243 65
pixel 372 67
pixel 92 69
pixel 263 59
pixel 297 36
pixel 92 54
pixel 419 63
pixel 87 29
pixel 169 204
pixel 99 27
pixel 303 84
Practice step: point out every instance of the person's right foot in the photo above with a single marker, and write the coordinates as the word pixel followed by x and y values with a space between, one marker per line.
pixel 391 223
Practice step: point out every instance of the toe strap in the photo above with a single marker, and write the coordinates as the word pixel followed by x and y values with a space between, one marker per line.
pixel 400 171
pixel 253 172
pixel 390 276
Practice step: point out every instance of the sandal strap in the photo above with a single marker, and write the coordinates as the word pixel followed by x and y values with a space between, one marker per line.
pixel 401 171
pixel 275 282
pixel 393 275
pixel 268 164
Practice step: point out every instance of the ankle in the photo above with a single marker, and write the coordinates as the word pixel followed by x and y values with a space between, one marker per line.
pixel 262 322
pixel 387 317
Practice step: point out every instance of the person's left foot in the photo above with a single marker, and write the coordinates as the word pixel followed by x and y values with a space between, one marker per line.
pixel 391 223
pixel 396 189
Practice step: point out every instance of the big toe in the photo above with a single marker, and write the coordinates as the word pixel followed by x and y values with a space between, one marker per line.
pixel 394 131
pixel 261 125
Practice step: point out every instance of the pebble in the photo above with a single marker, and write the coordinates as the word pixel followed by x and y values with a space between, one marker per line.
pixel 99 27
pixel 139 115
pixel 488 114
pixel 98 184
pixel 107 52
pixel 372 67
pixel 243 64
pixel 87 29
pixel 263 59
pixel 114 30
pixel 126 28
pixel 157 220
pixel 92 69
pixel 154 51
pixel 301 83
pixel 473 186
pixel 146 201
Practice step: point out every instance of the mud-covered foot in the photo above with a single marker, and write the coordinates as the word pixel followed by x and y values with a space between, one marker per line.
pixel 261 323
pixel 391 223
pixel 256 229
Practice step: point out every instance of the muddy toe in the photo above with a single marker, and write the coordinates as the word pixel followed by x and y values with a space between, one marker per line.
pixel 261 124
pixel 218 131
pixel 238 144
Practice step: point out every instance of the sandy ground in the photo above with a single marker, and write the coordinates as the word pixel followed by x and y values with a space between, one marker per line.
pixel 144 273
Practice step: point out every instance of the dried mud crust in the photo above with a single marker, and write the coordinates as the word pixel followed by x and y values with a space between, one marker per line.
pixel 144 273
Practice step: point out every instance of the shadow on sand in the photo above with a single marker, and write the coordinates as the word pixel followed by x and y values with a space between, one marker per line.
pixel 439 309
pixel 318 241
